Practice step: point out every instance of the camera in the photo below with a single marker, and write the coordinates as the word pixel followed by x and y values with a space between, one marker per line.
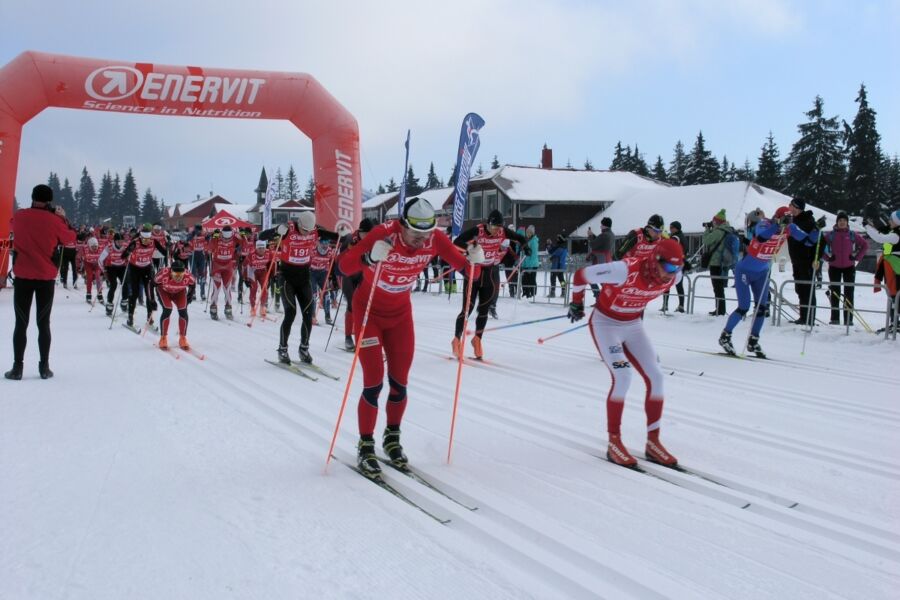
pixel 707 225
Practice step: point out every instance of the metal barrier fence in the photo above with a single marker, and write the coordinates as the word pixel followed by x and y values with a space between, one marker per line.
pixel 858 311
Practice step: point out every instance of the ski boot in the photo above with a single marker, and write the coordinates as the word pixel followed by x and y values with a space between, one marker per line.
pixel 130 321
pixel 262 311
pixel 65 285
pixel 680 308
pixel 754 347
pixel 44 370
pixel 366 461
pixel 15 373
pixel 109 309
pixel 617 453
pixel 213 312
pixel 163 342
pixel 493 312
pixel 123 305
pixel 725 342
pixel 183 342
pixel 304 355
pixel 390 443
pixel 328 320
pixel 349 346
pixel 476 346
pixel 87 298
pixel 454 347
pixel 656 452
pixel 283 356
pixel 228 314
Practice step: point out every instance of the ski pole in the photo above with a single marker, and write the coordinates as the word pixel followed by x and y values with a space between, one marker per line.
pixel 810 319
pixel 564 332
pixel 337 311
pixel 510 325
pixel 462 351
pixel 362 333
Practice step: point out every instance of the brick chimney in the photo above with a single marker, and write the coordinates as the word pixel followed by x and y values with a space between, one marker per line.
pixel 546 158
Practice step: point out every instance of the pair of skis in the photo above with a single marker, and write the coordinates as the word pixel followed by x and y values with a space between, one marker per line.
pixel 305 370
pixel 169 351
pixel 414 475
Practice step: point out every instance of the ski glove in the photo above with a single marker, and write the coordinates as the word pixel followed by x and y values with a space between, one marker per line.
pixel 380 251
pixel 576 311
pixel 475 254
pixel 526 250
pixel 820 223
pixel 786 220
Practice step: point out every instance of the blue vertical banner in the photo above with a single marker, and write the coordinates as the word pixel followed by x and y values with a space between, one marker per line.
pixel 402 200
pixel 469 142
pixel 267 207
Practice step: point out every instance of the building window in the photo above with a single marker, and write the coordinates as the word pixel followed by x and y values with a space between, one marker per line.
pixel 505 206
pixel 279 218
pixel 476 206
pixel 490 201
pixel 531 211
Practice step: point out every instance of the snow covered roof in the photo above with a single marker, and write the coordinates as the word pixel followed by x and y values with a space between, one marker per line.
pixel 235 210
pixel 437 196
pixel 183 208
pixel 692 206
pixel 379 200
pixel 533 184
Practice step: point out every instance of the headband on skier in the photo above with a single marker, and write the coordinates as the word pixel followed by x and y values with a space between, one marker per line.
pixel 146 235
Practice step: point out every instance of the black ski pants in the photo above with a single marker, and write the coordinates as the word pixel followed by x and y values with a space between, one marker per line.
pixel 483 293
pixel 837 297
pixel 24 292
pixel 296 294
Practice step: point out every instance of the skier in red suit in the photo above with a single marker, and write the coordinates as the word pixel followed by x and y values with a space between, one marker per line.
pixel 175 288
pixel 618 331
pixel 404 248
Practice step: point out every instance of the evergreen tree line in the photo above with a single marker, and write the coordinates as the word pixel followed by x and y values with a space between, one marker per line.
pixel 288 187
pixel 115 199
pixel 834 165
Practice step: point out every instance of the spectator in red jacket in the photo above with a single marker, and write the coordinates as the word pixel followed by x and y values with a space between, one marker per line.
pixel 37 231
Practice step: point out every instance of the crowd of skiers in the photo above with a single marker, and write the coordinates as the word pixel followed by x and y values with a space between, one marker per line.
pixel 377 266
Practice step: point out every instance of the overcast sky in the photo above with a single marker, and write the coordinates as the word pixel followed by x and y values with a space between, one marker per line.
pixel 578 75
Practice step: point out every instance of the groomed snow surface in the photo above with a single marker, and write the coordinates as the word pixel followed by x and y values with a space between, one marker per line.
pixel 133 474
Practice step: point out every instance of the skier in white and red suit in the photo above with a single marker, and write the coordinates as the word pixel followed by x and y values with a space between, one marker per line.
pixel 91 257
pixel 618 331
pixel 175 287
pixel 296 248
pixel 140 271
pixel 404 247
pixel 224 249
pixel 321 262
pixel 490 235
pixel 256 265
pixel 162 238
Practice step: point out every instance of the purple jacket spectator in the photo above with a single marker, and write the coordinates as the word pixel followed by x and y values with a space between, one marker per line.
pixel 839 251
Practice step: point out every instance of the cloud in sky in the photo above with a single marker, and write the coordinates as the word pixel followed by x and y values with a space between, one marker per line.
pixel 536 70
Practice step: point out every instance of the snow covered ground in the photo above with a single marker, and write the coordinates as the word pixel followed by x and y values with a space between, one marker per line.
pixel 135 475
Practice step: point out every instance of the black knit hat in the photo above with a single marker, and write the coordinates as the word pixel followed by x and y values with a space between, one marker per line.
pixel 177 266
pixel 655 221
pixel 799 203
pixel 366 225
pixel 495 218
pixel 842 215
pixel 42 193
pixel 676 225
pixel 606 222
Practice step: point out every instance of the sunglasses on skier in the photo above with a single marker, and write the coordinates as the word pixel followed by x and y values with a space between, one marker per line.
pixel 669 267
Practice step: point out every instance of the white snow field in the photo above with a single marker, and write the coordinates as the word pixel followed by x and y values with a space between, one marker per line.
pixel 136 475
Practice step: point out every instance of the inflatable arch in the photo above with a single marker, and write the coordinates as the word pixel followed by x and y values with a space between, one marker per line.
pixel 34 81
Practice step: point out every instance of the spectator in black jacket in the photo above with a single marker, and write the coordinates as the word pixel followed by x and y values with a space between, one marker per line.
pixel 675 234
pixel 803 255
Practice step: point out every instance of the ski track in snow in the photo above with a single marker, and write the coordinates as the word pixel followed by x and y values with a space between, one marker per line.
pixel 133 475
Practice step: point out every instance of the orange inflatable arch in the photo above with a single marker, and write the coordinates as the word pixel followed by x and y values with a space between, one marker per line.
pixel 34 81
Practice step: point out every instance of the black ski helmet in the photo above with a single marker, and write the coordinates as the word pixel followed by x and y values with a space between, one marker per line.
pixel 177 266
pixel 366 225
pixel 655 221
pixel 495 218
